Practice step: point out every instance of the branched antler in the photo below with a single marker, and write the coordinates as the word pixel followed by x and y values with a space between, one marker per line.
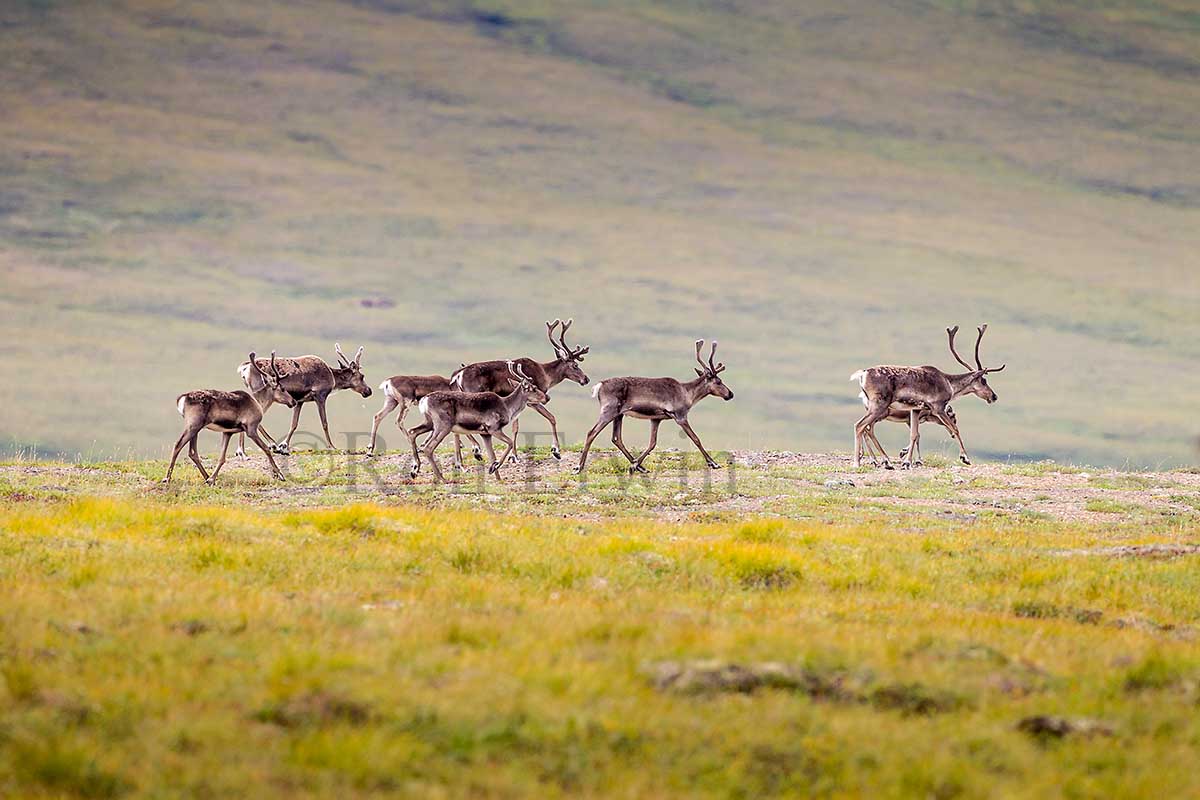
pixel 568 353
pixel 982 330
pixel 952 332
pixel 718 368
pixel 550 326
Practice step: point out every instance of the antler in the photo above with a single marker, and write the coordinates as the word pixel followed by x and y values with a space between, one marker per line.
pixel 699 347
pixel 982 330
pixel 275 369
pixel 550 326
pixel 358 356
pixel 576 354
pixel 952 332
pixel 342 360
pixel 719 367
pixel 515 370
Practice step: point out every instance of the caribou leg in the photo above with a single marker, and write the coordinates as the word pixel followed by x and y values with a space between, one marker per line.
pixel 953 428
pixel 324 422
pixel 637 465
pixel 876 411
pixel 252 431
pixel 190 431
pixel 389 403
pixel 194 454
pixel 285 446
pixel 413 433
pixel 545 412
pixel 221 461
pixel 687 428
pixel 607 415
pixel 616 438
pixel 431 445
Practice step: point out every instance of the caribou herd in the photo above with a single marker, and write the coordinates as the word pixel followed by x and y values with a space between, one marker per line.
pixel 486 398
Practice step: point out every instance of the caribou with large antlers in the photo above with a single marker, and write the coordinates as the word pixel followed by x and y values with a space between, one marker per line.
pixel 309 379
pixel 227 413
pixel 495 376
pixel 656 399
pixel 484 413
pixel 888 389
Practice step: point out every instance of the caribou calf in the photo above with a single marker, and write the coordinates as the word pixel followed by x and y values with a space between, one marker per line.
pixel 655 399
pixel 887 389
pixel 875 450
pixel 226 413
pixel 405 391
pixel 484 413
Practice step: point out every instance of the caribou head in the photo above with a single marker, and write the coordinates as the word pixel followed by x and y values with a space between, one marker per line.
pixel 978 385
pixel 710 373
pixel 349 373
pixel 271 381
pixel 567 356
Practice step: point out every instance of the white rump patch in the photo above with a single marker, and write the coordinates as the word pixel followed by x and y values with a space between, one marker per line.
pixel 181 404
pixel 456 379
pixel 596 391
pixel 859 376
pixel 386 387
pixel 423 406
pixel 244 371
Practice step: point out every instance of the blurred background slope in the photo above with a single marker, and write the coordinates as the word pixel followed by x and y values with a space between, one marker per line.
pixel 822 186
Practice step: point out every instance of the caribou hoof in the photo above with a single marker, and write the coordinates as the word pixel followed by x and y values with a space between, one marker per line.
pixel 965 460
pixel 918 463
pixel 494 469
pixel 713 465
pixel 282 449
pixel 210 482
pixel 478 455
pixel 888 465
pixel 556 453
pixel 905 465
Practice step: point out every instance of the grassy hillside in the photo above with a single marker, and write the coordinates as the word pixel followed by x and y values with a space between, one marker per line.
pixel 821 188
pixel 886 640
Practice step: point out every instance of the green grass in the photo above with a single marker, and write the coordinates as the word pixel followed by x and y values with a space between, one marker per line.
pixel 184 642
pixel 1106 506
pixel 183 185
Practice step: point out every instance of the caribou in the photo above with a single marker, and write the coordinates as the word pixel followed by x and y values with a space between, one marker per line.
pixel 484 413
pixel 495 376
pixel 656 399
pixel 228 413
pixel 888 389
pixel 308 379
pixel 406 391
